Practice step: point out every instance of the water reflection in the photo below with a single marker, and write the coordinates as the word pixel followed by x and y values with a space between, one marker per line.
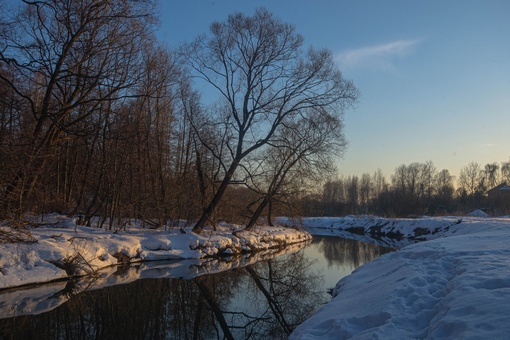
pixel 42 298
pixel 266 299
pixel 338 251
pixel 279 294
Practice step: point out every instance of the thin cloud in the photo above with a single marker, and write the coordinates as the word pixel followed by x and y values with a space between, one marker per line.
pixel 489 145
pixel 378 56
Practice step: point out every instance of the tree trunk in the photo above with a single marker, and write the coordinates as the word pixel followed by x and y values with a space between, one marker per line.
pixel 206 215
pixel 269 213
pixel 254 218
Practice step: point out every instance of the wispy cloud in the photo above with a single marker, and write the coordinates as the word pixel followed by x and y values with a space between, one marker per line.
pixel 489 145
pixel 381 56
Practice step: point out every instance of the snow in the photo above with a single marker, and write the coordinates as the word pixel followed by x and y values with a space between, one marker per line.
pixel 455 285
pixel 478 213
pixel 62 244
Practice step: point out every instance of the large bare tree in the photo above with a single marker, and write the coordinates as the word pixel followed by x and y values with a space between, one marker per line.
pixel 265 80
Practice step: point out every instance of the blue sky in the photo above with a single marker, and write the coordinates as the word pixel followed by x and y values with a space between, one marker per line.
pixel 434 75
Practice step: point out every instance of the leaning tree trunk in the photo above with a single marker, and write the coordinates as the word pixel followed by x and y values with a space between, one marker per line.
pixel 256 215
pixel 208 212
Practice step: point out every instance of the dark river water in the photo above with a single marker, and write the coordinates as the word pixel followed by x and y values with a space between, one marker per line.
pixel 266 299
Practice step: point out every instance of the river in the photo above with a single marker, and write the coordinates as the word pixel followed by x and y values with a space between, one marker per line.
pixel 188 299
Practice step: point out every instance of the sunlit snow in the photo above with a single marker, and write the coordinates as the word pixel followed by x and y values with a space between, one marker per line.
pixel 60 241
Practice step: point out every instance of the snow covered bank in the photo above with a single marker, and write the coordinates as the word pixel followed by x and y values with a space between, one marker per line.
pixel 64 249
pixel 457 286
pixel 414 229
pixel 37 299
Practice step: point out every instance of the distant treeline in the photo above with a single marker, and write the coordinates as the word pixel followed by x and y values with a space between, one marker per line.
pixel 414 189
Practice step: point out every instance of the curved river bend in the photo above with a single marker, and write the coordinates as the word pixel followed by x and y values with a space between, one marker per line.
pixel 188 299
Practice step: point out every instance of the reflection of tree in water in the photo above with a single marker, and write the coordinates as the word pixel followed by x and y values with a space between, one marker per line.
pixel 291 291
pixel 144 309
pixel 282 293
pixel 341 251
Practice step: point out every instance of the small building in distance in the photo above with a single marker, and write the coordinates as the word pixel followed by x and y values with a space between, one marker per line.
pixel 499 197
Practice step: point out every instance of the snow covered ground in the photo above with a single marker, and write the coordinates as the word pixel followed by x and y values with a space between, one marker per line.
pixel 64 248
pixel 456 285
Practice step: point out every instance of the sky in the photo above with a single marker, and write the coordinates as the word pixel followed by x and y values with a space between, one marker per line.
pixel 434 75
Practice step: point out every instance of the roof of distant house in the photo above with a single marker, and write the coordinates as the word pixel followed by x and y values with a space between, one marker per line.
pixel 501 187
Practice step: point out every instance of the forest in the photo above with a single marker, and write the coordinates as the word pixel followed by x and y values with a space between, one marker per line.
pixel 98 118
pixel 413 190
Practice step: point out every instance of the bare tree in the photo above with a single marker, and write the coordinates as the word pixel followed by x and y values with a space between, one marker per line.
pixel 443 186
pixel 471 182
pixel 265 80
pixel 304 151
pixel 68 59
pixel 365 191
pixel 471 178
pixel 399 179
pixel 491 172
pixel 380 186
pixel 428 171
pixel 334 197
pixel 379 182
pixel 413 187
pixel 505 172
pixel 353 194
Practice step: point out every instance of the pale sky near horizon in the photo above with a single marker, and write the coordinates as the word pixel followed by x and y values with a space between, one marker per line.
pixel 434 75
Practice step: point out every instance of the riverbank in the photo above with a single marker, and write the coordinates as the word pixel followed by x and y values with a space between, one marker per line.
pixel 58 248
pixel 412 229
pixel 455 285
